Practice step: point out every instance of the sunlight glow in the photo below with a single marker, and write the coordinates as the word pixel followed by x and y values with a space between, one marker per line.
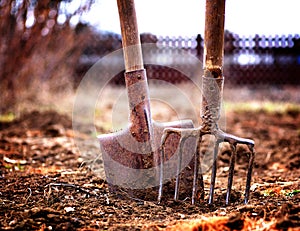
pixel 186 18
pixel 30 20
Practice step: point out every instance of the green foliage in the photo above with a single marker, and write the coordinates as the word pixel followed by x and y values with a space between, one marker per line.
pixel 292 193
pixel 266 106
pixel 7 117
pixel 277 192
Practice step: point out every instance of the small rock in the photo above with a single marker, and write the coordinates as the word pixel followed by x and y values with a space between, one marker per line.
pixel 69 209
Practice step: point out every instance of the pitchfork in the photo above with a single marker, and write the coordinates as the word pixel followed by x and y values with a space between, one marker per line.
pixel 212 90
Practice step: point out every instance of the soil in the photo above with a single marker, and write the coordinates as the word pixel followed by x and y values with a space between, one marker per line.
pixel 45 186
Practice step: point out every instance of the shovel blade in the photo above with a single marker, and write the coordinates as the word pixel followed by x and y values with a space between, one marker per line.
pixel 132 167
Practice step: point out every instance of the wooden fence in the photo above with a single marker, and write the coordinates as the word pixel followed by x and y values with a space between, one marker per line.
pixel 248 60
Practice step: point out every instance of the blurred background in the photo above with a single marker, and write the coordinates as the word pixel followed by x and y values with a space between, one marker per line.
pixel 47 46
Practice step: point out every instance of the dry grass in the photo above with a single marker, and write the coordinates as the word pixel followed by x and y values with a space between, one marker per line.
pixel 168 102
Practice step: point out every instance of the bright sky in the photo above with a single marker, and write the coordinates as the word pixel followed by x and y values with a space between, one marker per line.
pixel 186 17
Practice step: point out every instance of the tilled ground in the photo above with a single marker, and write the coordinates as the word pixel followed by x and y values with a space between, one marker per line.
pixel 45 186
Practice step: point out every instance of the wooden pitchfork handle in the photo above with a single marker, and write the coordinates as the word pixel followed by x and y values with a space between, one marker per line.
pixel 214 37
pixel 213 79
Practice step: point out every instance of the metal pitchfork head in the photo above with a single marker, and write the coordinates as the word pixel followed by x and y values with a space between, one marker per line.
pixel 212 90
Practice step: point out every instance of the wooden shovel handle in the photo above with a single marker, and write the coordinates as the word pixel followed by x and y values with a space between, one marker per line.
pixel 214 37
pixel 130 36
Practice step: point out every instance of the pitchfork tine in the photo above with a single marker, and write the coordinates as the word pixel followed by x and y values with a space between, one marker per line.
pixel 196 171
pixel 213 173
pixel 231 172
pixel 161 166
pixel 178 171
pixel 249 173
pixel 176 193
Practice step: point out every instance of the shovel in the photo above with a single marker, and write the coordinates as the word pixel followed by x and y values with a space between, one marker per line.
pixel 131 156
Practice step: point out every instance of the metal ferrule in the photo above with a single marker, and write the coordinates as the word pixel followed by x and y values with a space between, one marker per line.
pixel 139 105
pixel 212 94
